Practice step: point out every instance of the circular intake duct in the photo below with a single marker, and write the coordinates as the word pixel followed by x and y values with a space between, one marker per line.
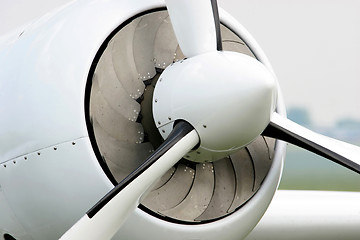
pixel 125 133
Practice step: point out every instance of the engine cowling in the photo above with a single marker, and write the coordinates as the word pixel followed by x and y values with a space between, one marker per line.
pixel 80 85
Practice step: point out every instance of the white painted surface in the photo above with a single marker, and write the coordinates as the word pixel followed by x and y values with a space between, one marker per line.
pixel 227 96
pixel 310 215
pixel 194 26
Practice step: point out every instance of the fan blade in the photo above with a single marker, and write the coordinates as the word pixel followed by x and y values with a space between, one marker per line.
pixel 196 25
pixel 345 154
pixel 224 191
pixel 199 196
pixel 173 192
pixel 123 156
pixel 164 179
pixel 261 160
pixel 245 177
pixel 105 218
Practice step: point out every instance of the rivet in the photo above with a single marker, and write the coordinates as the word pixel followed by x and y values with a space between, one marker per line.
pixel 25 158
pixel 14 162
pixel 73 143
pixel 156 100
pixel 163 131
pixel 159 122
pixel 169 118
pixel 55 148
pixel 39 153
pixel 204 126
pixel 4 165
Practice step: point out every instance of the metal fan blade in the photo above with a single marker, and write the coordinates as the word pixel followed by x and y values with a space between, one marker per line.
pixel 261 160
pixel 224 190
pixel 245 177
pixel 113 209
pixel 124 61
pixel 199 196
pixel 173 192
pixel 144 37
pixel 164 179
pixel 337 151
pixel 124 157
pixel 106 83
pixel 165 45
pixel 114 123
pixel 196 25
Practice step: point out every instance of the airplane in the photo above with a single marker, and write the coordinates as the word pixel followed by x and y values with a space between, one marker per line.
pixel 152 119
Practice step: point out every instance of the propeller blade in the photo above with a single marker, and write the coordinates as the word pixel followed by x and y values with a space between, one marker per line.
pixel 196 25
pixel 345 154
pixel 105 218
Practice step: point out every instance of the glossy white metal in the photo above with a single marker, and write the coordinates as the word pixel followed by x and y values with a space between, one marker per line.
pixel 228 97
pixel 193 24
pixel 109 219
pixel 44 192
pixel 43 78
pixel 310 215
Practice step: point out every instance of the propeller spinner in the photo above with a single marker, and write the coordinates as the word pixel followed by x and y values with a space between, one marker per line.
pixel 227 97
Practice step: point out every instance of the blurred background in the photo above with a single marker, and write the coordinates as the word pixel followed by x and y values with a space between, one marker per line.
pixel 314 48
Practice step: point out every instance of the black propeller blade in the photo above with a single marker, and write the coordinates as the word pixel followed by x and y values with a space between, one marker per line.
pixel 342 153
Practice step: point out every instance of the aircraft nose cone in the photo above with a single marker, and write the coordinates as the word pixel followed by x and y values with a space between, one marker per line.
pixel 227 97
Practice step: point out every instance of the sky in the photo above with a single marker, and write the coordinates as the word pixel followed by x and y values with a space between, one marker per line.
pixel 313 46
